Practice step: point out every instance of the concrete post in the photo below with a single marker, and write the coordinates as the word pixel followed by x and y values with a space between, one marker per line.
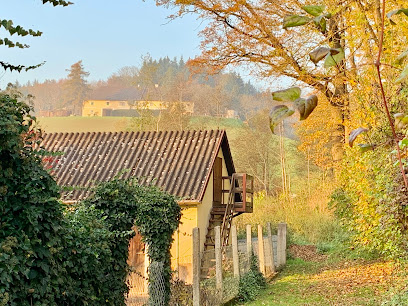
pixel 261 252
pixel 282 228
pixel 218 259
pixel 249 245
pixel 196 266
pixel 177 242
pixel 235 258
pixel 146 269
pixel 272 257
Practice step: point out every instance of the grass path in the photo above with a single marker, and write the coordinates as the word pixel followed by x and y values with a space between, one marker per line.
pixel 338 282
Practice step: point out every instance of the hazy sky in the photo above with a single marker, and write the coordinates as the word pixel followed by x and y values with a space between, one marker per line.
pixel 105 35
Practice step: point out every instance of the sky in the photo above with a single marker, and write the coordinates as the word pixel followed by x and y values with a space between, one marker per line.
pixel 105 35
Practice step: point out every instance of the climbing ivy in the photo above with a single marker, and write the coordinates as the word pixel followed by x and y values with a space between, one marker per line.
pixel 124 203
pixel 31 219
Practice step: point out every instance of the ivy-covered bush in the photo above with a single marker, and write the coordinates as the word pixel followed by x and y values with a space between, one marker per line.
pixel 31 218
pixel 124 203
pixel 87 259
pixel 251 283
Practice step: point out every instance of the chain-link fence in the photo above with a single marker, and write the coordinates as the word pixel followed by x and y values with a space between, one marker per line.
pixel 218 280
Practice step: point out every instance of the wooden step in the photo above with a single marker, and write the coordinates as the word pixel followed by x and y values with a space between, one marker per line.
pixel 218 209
pixel 217 213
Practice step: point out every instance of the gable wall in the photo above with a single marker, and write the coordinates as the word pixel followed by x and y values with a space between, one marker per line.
pixel 181 251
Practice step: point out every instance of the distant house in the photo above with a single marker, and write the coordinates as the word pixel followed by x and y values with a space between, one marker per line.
pixel 195 166
pixel 92 108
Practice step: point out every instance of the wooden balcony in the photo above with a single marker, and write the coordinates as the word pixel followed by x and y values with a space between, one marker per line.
pixel 242 189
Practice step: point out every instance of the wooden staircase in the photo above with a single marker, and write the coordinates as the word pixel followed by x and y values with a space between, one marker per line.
pixel 239 201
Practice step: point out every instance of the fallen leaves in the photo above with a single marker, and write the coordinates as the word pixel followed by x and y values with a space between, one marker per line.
pixel 306 252
pixel 353 282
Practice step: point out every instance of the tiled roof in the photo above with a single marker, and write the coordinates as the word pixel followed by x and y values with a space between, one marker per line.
pixel 179 162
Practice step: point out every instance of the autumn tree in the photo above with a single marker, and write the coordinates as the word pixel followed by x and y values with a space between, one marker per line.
pixel 11 29
pixel 47 95
pixel 323 45
pixel 76 88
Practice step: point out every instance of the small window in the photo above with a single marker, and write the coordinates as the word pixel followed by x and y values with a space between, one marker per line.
pixel 107 103
pixel 122 103
pixel 91 103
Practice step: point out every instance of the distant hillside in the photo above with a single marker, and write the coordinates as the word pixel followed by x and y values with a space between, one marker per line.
pixel 164 79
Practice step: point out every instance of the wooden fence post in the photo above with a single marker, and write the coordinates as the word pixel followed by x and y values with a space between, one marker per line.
pixel 282 228
pixel 272 257
pixel 218 259
pixel 235 258
pixel 196 266
pixel 261 252
pixel 249 245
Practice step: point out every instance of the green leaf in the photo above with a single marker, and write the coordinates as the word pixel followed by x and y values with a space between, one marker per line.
pixel 401 121
pixel 320 53
pixel 306 106
pixel 333 60
pixel 314 10
pixel 403 143
pixel 320 23
pixel 295 21
pixel 287 95
pixel 355 133
pixel 401 57
pixel 365 147
pixel 397 12
pixel 403 75
pixel 277 114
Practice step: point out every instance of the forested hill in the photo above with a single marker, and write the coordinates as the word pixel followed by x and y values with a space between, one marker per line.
pixel 163 79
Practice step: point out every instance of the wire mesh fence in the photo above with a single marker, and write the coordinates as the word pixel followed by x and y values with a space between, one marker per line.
pixel 218 281
pixel 138 284
pixel 213 293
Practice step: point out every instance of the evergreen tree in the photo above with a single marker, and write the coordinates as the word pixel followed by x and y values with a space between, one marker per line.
pixel 76 88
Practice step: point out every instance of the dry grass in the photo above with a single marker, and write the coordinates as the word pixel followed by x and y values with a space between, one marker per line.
pixel 308 217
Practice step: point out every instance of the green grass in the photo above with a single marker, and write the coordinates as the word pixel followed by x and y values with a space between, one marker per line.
pixel 83 124
pixel 114 124
pixel 337 281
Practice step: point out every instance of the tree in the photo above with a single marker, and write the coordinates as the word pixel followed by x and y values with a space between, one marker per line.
pixel 76 88
pixel 47 95
pixel 11 29
pixel 264 35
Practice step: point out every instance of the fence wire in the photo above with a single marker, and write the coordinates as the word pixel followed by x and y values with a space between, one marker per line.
pixel 181 288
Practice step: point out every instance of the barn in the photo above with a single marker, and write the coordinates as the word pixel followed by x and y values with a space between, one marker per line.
pixel 194 166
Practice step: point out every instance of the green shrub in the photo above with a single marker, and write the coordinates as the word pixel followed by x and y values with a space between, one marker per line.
pixel 87 257
pixel 124 203
pixel 31 218
pixel 372 205
pixel 251 283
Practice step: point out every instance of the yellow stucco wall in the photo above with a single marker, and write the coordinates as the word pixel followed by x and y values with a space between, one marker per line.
pixel 95 107
pixel 197 216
